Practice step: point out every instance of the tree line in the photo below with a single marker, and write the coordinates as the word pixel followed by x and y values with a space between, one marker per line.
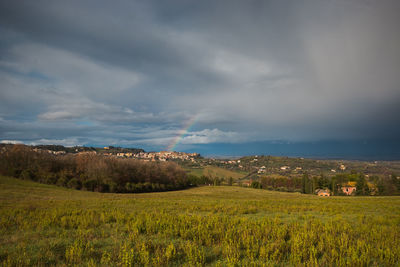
pixel 88 171
pixel 309 184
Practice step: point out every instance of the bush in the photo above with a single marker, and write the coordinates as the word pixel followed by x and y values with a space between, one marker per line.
pixel 256 184
pixel 27 175
pixel 113 187
pixel 89 185
pixel 62 181
pixel 48 178
pixel 74 183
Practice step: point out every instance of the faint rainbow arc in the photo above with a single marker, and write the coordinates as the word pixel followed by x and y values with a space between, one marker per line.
pixel 182 133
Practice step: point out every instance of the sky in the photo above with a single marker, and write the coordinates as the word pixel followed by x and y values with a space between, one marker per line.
pixel 219 77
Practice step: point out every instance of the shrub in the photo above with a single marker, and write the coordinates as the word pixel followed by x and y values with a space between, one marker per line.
pixel 255 184
pixel 62 181
pixel 89 185
pixel 27 175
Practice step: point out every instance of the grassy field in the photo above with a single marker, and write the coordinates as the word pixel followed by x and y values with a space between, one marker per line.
pixel 213 171
pixel 216 226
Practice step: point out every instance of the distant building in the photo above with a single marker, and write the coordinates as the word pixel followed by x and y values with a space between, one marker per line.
pixel 342 167
pixel 284 168
pixel 262 169
pixel 348 190
pixel 323 192
pixel 247 183
pixel 87 153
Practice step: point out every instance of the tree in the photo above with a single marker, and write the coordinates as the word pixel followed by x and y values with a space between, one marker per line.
pixel 256 184
pixel 305 188
pixel 74 183
pixel 217 181
pixel 323 182
pixel 396 182
pixel 381 187
pixel 334 186
pixel 362 186
pixel 314 184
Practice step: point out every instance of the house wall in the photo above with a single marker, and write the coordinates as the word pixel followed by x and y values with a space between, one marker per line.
pixel 348 190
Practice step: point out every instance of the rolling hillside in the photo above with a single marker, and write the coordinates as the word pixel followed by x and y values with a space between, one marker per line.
pixel 214 171
pixel 213 226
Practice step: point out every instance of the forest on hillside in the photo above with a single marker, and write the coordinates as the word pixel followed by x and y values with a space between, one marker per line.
pixel 91 172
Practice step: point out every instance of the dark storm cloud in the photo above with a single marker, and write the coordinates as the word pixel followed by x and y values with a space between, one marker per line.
pixel 126 35
pixel 134 72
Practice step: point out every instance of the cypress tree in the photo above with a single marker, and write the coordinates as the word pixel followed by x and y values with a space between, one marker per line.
pixel 305 187
pixel 362 186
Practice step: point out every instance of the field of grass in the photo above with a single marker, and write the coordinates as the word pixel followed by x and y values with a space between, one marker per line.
pixel 215 226
pixel 213 171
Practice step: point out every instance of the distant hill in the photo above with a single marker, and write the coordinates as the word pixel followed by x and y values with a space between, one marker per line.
pixel 299 166
pixel 76 149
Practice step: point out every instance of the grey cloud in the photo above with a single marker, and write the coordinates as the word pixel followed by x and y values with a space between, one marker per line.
pixel 263 70
pixel 207 136
pixel 125 35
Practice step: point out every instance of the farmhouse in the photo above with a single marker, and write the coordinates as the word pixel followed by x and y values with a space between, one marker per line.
pixel 349 190
pixel 323 192
pixel 247 183
pixel 262 169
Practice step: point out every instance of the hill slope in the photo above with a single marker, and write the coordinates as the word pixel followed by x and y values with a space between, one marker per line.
pixel 48 225
pixel 214 171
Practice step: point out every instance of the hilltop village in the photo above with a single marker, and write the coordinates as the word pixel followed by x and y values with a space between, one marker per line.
pixel 118 152
pixel 157 156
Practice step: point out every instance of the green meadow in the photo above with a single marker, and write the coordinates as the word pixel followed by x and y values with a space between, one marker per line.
pixel 216 172
pixel 45 225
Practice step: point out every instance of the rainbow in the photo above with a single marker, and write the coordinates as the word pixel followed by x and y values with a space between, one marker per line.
pixel 182 133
